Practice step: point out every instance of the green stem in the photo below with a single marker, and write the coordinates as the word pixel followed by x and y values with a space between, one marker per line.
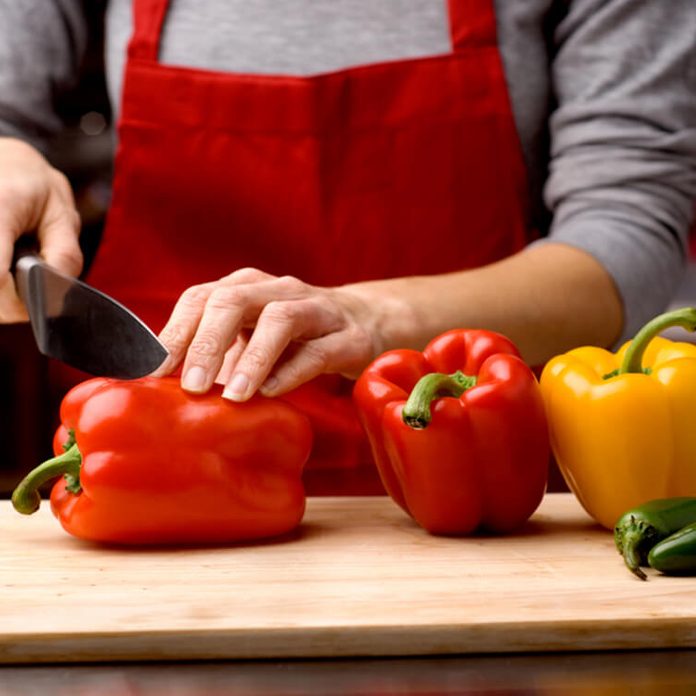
pixel 631 543
pixel 416 413
pixel 633 359
pixel 26 498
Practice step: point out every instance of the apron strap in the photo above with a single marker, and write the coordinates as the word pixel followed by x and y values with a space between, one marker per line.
pixel 148 17
pixel 472 23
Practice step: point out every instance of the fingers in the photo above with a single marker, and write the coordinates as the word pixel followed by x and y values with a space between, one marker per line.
pixel 346 352
pixel 278 318
pixel 217 330
pixel 34 198
pixel 179 331
pixel 208 318
pixel 279 324
pixel 59 228
pixel 230 360
pixel 12 310
pixel 252 331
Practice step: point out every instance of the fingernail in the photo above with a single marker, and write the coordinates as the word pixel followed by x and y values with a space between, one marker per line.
pixel 269 386
pixel 237 388
pixel 194 379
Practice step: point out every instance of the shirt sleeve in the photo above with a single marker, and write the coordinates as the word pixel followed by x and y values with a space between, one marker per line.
pixel 41 45
pixel 622 177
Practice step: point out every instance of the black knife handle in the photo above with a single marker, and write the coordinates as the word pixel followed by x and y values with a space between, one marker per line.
pixel 26 245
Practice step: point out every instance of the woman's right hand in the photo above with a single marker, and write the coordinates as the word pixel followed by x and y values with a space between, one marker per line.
pixel 37 199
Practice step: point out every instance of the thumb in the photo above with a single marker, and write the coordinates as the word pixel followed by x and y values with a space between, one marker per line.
pixel 11 307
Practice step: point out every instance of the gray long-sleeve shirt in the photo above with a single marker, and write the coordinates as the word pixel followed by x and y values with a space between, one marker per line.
pixel 603 93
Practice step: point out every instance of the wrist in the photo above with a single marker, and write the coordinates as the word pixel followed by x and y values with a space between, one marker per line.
pixel 388 313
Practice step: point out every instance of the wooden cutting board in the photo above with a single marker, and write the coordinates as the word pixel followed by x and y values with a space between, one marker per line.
pixel 359 578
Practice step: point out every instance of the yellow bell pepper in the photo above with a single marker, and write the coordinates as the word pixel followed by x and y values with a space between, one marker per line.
pixel 623 425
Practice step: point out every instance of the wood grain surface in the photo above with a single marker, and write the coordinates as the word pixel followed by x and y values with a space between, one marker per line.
pixel 359 578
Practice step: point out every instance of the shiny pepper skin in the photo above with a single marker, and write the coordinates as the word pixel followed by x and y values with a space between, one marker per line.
pixel 147 463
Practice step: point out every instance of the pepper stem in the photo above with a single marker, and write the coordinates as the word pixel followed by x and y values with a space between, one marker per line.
pixel 633 359
pixel 417 413
pixel 630 552
pixel 26 498
pixel 634 537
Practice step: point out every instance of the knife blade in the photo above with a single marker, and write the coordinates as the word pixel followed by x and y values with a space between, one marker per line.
pixel 83 327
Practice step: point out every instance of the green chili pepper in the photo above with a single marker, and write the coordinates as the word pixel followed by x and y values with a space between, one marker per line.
pixel 676 555
pixel 645 526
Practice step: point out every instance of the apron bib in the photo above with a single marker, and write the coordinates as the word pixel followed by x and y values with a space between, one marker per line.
pixel 392 169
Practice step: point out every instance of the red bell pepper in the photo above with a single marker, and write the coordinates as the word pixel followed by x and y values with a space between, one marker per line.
pixel 476 458
pixel 146 462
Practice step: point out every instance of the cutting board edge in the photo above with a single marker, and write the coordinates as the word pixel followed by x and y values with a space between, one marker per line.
pixel 336 641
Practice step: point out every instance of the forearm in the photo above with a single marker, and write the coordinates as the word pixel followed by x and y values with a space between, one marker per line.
pixel 547 299
pixel 622 176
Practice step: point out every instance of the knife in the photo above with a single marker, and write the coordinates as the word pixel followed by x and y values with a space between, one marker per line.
pixel 82 327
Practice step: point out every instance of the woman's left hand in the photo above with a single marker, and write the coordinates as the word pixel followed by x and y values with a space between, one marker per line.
pixel 253 331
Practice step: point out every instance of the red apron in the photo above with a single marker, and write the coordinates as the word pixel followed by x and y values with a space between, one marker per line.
pixel 392 169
